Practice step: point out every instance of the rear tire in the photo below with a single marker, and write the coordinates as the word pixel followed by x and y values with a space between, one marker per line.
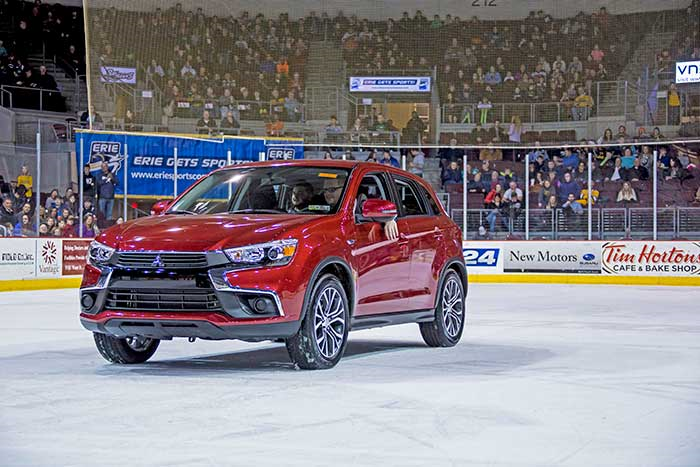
pixel 125 351
pixel 323 335
pixel 450 314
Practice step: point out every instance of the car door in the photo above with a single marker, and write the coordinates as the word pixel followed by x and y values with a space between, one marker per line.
pixel 382 265
pixel 417 225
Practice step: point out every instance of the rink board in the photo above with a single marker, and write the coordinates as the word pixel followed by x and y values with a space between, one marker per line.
pixel 49 263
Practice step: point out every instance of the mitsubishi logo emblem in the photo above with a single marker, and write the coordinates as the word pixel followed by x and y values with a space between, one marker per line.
pixel 157 262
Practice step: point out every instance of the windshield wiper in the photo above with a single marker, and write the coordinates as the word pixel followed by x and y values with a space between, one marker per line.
pixel 258 211
pixel 181 211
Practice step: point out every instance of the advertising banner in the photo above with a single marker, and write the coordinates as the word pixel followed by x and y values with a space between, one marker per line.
pixel 552 257
pixel 651 258
pixel 688 72
pixel 116 74
pixel 17 258
pixel 389 84
pixel 74 256
pixel 49 258
pixel 483 257
pixel 151 158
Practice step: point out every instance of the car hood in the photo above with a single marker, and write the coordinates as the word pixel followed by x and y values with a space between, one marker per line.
pixel 200 232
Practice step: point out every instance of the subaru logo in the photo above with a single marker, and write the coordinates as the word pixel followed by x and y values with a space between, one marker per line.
pixel 589 257
pixel 157 262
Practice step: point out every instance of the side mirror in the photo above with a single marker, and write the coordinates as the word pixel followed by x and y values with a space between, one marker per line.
pixel 160 207
pixel 379 210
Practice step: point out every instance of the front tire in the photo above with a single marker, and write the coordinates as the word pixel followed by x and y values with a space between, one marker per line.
pixel 450 314
pixel 125 351
pixel 323 335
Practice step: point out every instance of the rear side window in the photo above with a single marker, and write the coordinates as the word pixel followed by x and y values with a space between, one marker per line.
pixel 431 201
pixel 409 198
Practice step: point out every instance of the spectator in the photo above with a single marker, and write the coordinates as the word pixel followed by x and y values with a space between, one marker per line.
pixel 53 201
pixel 88 182
pixel 417 162
pixel 333 129
pixel 484 106
pixel 388 159
pixel 674 105
pixel 327 155
pixel 674 171
pixel 206 125
pixel 582 105
pixel 475 185
pixel 230 125
pixel 45 80
pixel 571 205
pixel 552 203
pixel 583 199
pixel 25 179
pixel 450 153
pixel 516 130
pixel 452 175
pixel 513 189
pixel 568 187
pixel 415 127
pixel 275 127
pixel 92 119
pixel 545 193
pixel 130 121
pixel 617 172
pixel 7 213
pixel 637 172
pixel 622 133
pixel 497 189
pixel 106 182
pixel 496 205
pixel 696 199
pixel 90 229
pixel 626 193
pixel 44 230
pixel 69 230
pixel 597 54
pixel 607 137
pixel 23 228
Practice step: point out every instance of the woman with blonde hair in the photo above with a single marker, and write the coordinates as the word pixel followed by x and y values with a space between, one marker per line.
pixel 626 193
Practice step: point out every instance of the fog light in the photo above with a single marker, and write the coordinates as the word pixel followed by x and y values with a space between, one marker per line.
pixel 87 301
pixel 260 305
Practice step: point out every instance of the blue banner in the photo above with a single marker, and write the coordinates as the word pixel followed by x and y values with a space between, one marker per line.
pixel 151 158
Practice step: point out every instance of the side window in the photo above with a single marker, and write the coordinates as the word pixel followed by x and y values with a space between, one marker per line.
pixel 372 186
pixel 431 201
pixel 409 198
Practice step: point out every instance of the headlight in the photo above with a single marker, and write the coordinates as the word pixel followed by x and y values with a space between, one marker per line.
pixel 276 253
pixel 98 253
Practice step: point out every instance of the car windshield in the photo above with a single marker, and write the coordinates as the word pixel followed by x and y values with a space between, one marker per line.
pixel 266 190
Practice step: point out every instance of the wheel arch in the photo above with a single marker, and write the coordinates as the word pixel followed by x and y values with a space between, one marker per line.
pixel 338 267
pixel 456 265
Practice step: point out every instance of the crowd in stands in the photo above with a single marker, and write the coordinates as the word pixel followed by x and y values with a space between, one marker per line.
pixel 249 65
pixel 36 27
pixel 59 212
pixel 621 174
pixel 538 59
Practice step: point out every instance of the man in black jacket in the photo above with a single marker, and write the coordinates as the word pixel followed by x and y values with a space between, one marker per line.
pixel 7 213
pixel 637 172
pixel 106 182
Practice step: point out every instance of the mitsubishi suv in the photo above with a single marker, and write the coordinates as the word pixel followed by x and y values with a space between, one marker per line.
pixel 300 252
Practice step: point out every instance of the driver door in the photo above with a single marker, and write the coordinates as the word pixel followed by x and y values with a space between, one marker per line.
pixel 382 265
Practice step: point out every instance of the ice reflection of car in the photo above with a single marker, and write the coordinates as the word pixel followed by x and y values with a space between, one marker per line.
pixel 299 251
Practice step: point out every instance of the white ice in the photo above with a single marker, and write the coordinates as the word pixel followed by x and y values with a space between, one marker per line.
pixel 544 376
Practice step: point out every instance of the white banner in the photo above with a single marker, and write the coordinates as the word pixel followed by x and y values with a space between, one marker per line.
pixel 116 74
pixel 566 257
pixel 49 257
pixel 483 257
pixel 17 258
pixel 389 84
pixel 630 258
pixel 688 72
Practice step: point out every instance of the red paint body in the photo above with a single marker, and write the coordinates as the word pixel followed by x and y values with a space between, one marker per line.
pixel 387 276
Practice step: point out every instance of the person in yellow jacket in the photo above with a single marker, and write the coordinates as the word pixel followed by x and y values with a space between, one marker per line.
pixel 674 105
pixel 583 199
pixel 26 180
pixel 582 105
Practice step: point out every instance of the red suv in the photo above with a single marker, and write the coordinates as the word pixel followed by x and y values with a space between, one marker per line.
pixel 300 251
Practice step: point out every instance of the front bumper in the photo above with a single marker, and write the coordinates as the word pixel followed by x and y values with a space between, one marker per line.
pixel 212 302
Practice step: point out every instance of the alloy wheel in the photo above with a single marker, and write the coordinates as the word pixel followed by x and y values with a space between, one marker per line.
pixel 329 322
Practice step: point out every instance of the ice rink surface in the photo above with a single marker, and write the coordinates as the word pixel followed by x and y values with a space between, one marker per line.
pixel 544 376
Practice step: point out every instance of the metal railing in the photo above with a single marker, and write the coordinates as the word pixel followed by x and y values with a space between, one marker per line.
pixel 608 223
pixel 504 112
pixel 33 98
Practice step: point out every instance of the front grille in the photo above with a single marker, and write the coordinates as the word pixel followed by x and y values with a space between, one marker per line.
pixel 155 260
pixel 162 299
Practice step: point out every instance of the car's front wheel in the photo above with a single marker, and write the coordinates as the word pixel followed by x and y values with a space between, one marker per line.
pixel 127 350
pixel 450 314
pixel 323 335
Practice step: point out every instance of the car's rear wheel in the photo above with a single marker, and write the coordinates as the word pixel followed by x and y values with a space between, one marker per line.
pixel 127 350
pixel 323 335
pixel 446 329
